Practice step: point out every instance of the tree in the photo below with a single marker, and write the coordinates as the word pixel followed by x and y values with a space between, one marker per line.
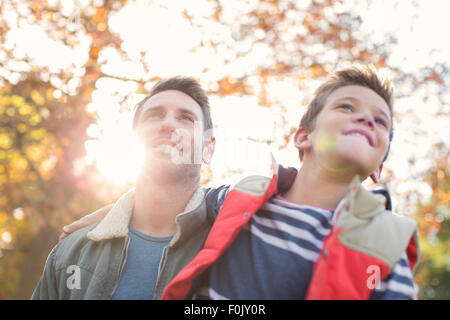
pixel 43 130
pixel 45 105
pixel 433 217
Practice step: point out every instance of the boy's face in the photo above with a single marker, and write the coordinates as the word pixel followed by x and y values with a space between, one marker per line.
pixel 351 133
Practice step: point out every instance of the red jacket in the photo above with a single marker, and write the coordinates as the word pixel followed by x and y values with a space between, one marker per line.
pixel 365 237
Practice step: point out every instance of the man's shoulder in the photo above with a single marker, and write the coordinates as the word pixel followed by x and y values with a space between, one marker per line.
pixel 69 249
pixel 78 236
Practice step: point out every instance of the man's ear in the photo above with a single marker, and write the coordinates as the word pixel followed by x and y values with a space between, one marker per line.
pixel 301 139
pixel 375 176
pixel 208 150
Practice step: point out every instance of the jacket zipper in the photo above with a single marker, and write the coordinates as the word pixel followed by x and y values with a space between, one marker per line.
pixel 162 262
pixel 124 260
pixel 161 266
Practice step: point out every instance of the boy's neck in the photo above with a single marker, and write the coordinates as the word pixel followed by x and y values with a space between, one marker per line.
pixel 315 186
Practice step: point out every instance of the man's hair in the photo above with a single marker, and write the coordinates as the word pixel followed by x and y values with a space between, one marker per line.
pixel 188 86
pixel 361 75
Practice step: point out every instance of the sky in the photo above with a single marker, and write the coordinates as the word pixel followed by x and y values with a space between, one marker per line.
pixel 176 48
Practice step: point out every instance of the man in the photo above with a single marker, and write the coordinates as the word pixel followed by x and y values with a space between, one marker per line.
pixel 155 229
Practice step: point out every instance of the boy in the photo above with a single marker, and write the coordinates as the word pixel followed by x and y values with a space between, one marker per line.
pixel 326 237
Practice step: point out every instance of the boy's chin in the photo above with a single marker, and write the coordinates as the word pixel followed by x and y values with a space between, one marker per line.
pixel 346 164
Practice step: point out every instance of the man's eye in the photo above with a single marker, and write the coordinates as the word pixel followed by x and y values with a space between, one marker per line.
pixel 152 115
pixel 186 117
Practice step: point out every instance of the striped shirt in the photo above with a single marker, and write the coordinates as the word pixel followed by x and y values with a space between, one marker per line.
pixel 274 254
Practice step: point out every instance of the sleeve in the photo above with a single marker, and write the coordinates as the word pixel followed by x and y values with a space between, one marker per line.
pixel 398 285
pixel 215 198
pixel 47 287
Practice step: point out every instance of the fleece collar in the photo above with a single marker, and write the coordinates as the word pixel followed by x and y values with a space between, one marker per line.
pixel 115 223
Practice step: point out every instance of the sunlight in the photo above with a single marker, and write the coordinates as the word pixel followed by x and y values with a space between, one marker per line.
pixel 120 167
pixel 117 153
pixel 6 237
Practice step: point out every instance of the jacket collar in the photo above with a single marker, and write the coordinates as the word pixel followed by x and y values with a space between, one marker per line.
pixel 357 197
pixel 115 223
pixel 362 203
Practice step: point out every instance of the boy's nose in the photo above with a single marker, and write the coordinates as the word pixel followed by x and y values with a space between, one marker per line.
pixel 367 120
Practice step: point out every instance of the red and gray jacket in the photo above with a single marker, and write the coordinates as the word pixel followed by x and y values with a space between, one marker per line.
pixel 364 234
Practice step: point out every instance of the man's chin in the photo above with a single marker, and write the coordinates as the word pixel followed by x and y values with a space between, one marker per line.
pixel 163 171
pixel 163 162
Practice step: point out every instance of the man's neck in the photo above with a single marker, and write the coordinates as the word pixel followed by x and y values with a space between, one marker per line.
pixel 315 186
pixel 156 206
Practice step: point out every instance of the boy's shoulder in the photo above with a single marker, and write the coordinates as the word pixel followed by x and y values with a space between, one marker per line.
pixel 370 227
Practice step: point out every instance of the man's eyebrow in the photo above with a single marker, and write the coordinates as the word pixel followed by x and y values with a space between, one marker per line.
pixel 161 107
pixel 156 108
pixel 357 100
pixel 183 110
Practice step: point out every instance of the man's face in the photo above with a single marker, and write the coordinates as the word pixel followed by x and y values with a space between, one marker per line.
pixel 351 133
pixel 171 128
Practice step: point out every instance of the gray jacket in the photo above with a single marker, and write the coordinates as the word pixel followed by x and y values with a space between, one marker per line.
pixel 88 263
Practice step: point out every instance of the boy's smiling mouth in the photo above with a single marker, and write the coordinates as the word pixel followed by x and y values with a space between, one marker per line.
pixel 360 132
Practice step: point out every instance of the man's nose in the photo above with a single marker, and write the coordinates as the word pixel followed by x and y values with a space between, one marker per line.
pixel 167 124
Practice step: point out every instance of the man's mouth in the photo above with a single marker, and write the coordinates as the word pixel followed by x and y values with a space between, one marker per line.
pixel 360 133
pixel 165 148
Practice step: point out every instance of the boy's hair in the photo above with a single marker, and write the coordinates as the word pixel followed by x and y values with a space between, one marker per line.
pixel 362 75
pixel 186 85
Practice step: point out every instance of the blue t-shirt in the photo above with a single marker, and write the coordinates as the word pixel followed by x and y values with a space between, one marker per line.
pixel 139 275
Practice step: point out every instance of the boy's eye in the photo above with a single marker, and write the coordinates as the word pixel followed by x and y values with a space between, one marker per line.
pixel 346 107
pixel 381 121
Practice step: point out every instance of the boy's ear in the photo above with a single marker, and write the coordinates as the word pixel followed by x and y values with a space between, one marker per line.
pixel 375 176
pixel 301 139
pixel 208 150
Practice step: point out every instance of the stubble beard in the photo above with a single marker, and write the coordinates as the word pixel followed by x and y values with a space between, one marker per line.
pixel 165 172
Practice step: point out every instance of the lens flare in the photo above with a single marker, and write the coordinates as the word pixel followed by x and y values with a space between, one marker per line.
pixel 325 143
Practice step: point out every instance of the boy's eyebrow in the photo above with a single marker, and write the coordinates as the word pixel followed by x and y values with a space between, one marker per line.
pixel 357 100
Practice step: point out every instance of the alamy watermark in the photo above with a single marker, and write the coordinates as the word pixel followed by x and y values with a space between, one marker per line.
pixel 237 146
pixel 73 281
pixel 374 280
